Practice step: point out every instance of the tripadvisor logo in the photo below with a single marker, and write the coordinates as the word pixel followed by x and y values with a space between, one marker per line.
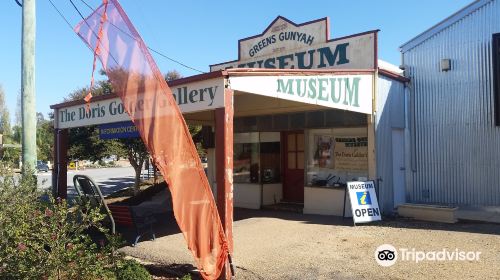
pixel 387 255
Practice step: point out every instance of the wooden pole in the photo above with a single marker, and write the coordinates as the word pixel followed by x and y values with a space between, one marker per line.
pixel 28 86
pixel 224 167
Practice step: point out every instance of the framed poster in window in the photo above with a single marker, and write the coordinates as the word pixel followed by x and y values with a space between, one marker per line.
pixel 323 151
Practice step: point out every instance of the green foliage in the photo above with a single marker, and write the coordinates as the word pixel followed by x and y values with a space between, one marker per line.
pixel 86 145
pixel 44 138
pixel 172 75
pixel 17 134
pixel 186 277
pixel 137 154
pixel 11 155
pixel 49 240
pixel 4 114
pixel 101 88
pixel 132 270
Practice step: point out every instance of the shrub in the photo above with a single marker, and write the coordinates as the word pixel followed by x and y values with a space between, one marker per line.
pixel 49 240
pixel 132 270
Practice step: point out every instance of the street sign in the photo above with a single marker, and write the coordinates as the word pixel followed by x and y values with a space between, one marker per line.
pixel 118 130
pixel 364 204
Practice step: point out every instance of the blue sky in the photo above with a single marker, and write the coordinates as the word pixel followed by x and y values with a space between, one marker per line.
pixel 197 33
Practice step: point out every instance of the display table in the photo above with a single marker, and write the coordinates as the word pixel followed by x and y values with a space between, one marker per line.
pixel 326 201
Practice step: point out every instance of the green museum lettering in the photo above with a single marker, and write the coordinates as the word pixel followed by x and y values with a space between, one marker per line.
pixel 335 90
pixel 312 59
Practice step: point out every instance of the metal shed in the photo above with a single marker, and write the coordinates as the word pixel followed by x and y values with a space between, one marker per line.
pixel 454 139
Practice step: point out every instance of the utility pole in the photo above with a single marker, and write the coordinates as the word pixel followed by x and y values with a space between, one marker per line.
pixel 28 86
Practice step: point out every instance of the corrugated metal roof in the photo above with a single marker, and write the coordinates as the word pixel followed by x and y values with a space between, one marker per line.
pixel 443 24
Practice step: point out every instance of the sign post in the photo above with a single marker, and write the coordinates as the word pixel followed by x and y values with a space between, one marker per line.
pixel 364 203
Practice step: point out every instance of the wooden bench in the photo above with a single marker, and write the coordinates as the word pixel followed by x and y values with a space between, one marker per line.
pixel 124 216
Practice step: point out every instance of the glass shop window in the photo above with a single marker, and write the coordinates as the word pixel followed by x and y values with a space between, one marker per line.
pixel 270 160
pixel 257 158
pixel 246 163
pixel 335 157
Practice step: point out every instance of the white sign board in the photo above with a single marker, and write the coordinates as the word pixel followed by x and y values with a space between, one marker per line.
pixel 364 204
pixel 346 92
pixel 192 97
pixel 286 45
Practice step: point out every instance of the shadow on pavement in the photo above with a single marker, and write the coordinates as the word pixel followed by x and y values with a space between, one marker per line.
pixel 166 224
pixel 461 226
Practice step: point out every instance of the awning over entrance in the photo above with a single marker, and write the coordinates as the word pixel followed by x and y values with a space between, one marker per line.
pixel 256 91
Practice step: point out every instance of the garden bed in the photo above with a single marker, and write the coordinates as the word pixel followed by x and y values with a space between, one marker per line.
pixel 127 197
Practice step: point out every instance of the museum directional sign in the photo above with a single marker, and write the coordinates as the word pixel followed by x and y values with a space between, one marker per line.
pixel 364 203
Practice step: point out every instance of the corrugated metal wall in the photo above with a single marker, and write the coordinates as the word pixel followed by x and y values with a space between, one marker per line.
pixel 456 145
pixel 389 115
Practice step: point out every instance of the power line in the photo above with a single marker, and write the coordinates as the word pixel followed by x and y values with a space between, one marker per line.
pixel 78 11
pixel 72 31
pixel 151 49
pixel 90 29
pixel 61 15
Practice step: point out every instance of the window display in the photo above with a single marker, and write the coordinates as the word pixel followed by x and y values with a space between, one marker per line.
pixel 257 158
pixel 246 163
pixel 336 156
pixel 270 159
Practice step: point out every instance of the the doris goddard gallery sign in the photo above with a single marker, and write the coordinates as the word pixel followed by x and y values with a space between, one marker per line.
pixel 284 45
pixel 196 96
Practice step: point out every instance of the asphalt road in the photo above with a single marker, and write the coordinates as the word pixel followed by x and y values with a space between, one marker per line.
pixel 109 179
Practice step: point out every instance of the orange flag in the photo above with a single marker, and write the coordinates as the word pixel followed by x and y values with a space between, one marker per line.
pixel 149 101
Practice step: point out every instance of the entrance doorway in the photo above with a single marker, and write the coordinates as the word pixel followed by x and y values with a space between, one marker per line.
pixel 293 166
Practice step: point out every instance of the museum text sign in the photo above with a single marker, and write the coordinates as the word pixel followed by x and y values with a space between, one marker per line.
pixel 346 92
pixel 286 45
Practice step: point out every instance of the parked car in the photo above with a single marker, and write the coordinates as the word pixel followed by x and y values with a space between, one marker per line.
pixel 42 166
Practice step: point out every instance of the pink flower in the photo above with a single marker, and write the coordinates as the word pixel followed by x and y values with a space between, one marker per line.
pixel 69 246
pixel 21 247
pixel 48 212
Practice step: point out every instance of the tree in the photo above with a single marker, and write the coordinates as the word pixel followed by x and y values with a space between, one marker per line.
pixel 85 144
pixel 85 139
pixel 137 154
pixel 4 115
pixel 8 155
pixel 44 138
pixel 172 75
pixel 100 88
pixel 19 115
